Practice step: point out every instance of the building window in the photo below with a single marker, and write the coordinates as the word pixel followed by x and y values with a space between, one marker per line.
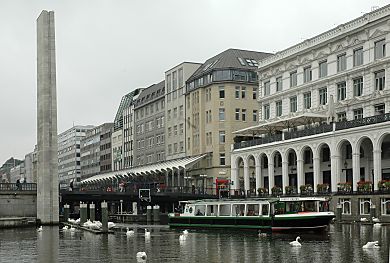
pixel 222 159
pixel 380 80
pixel 237 93
pixel 380 49
pixel 181 128
pixel 181 111
pixel 345 206
pixel 323 93
pixel 254 94
pixel 364 206
pixel 379 109
pixel 237 115
pixel 293 104
pixel 279 86
pixel 243 111
pixel 279 109
pixel 254 115
pixel 341 116
pixel 341 91
pixel 307 74
pixel 341 62
pixel 293 79
pixel 358 87
pixel 323 69
pixel 358 114
pixel 358 57
pixel 266 112
pixel 307 100
pixel 222 137
pixel 221 92
pixel 221 114
pixel 385 206
pixel 267 88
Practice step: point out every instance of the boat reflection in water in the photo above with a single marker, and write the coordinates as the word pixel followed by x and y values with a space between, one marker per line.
pixel 273 214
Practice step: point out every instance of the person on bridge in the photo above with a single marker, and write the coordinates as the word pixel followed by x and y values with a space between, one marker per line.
pixel 18 184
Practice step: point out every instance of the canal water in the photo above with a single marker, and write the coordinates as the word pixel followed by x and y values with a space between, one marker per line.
pixel 341 244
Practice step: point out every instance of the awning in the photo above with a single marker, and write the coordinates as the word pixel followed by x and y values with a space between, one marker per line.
pixel 182 163
pixel 283 123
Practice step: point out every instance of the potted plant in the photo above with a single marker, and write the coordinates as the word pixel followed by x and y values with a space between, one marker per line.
pixel 276 190
pixel 323 188
pixel 262 191
pixel 344 187
pixel 384 185
pixel 364 186
pixel 290 189
pixel 306 189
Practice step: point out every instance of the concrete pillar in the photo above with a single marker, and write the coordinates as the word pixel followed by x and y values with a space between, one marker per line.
pixel 135 209
pixel 284 176
pixel 149 214
pixel 178 178
pixel 271 178
pixel 355 169
pixel 167 178
pixel 339 213
pixel 234 180
pixel 246 178
pixel 104 217
pixel 92 212
pixel 66 212
pixel 316 172
pixel 47 155
pixel 259 182
pixel 83 213
pixel 300 177
pixel 377 167
pixel 335 161
pixel 156 213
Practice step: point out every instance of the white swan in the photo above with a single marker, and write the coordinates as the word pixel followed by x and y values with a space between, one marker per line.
pixel 77 221
pixel 182 237
pixel 129 232
pixel 375 220
pixel 64 228
pixel 110 225
pixel 261 234
pixel 296 243
pixel 377 225
pixel 185 232
pixel 72 221
pixel 40 229
pixel 142 255
pixel 147 233
pixel 372 244
pixel 363 219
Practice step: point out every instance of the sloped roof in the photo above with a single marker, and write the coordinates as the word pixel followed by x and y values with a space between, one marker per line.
pixel 151 93
pixel 230 59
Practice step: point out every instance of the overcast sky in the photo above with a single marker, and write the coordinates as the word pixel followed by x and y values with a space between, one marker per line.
pixel 105 49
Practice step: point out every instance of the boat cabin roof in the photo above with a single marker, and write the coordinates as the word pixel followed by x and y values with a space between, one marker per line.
pixel 251 201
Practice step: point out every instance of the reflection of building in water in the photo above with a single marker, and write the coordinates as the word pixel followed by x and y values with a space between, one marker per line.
pixel 47 244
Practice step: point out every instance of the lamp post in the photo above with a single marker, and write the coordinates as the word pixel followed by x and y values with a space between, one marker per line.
pixel 203 176
pixel 253 185
pixel 186 178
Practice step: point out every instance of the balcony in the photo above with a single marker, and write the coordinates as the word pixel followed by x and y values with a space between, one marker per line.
pixel 363 121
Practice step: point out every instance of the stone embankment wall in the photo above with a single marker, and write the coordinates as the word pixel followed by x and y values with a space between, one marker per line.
pixel 18 204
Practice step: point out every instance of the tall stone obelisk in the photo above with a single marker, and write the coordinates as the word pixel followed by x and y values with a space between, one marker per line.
pixel 47 188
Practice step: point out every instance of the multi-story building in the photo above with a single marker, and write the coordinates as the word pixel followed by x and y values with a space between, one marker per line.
pixel 221 97
pixel 5 169
pixel 96 151
pixel 324 109
pixel 69 167
pixel 175 79
pixel 117 150
pixel 30 160
pixel 149 135
pixel 17 173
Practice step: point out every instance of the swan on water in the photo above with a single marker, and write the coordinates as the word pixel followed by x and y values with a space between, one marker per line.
pixel 182 237
pixel 363 219
pixel 110 225
pixel 185 232
pixel 261 234
pixel 141 255
pixel 372 244
pixel 375 219
pixel 40 229
pixel 65 228
pixel 129 232
pixel 296 243
pixel 147 233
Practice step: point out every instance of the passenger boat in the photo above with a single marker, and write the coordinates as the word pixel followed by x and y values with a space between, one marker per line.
pixel 273 214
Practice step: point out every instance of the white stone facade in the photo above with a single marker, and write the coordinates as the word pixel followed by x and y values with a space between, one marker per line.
pixel 349 63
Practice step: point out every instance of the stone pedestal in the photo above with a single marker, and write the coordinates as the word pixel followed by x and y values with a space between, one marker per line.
pixel 104 217
pixel 92 212
pixel 156 213
pixel 83 213
pixel 338 213
pixel 66 212
pixel 148 213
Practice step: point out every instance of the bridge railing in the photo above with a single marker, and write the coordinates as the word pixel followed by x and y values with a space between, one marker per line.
pixel 18 187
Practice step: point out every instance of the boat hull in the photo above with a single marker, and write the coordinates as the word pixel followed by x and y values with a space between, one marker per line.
pixel 311 223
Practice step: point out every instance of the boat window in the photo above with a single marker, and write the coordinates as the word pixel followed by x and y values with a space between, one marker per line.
pixel 309 206
pixel 294 207
pixel 211 209
pixel 252 209
pixel 324 206
pixel 280 208
pixel 264 209
pixel 224 210
pixel 238 209
pixel 200 210
pixel 190 210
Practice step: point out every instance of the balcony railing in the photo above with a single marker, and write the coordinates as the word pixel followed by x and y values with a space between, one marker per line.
pixel 363 121
pixel 18 187
pixel 259 141
pixel 322 128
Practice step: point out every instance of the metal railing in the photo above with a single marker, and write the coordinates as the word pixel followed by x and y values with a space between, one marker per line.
pixel 322 128
pixel 18 187
pixel 363 121
pixel 259 141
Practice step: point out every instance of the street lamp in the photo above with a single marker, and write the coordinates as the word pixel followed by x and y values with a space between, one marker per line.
pixel 253 186
pixel 203 176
